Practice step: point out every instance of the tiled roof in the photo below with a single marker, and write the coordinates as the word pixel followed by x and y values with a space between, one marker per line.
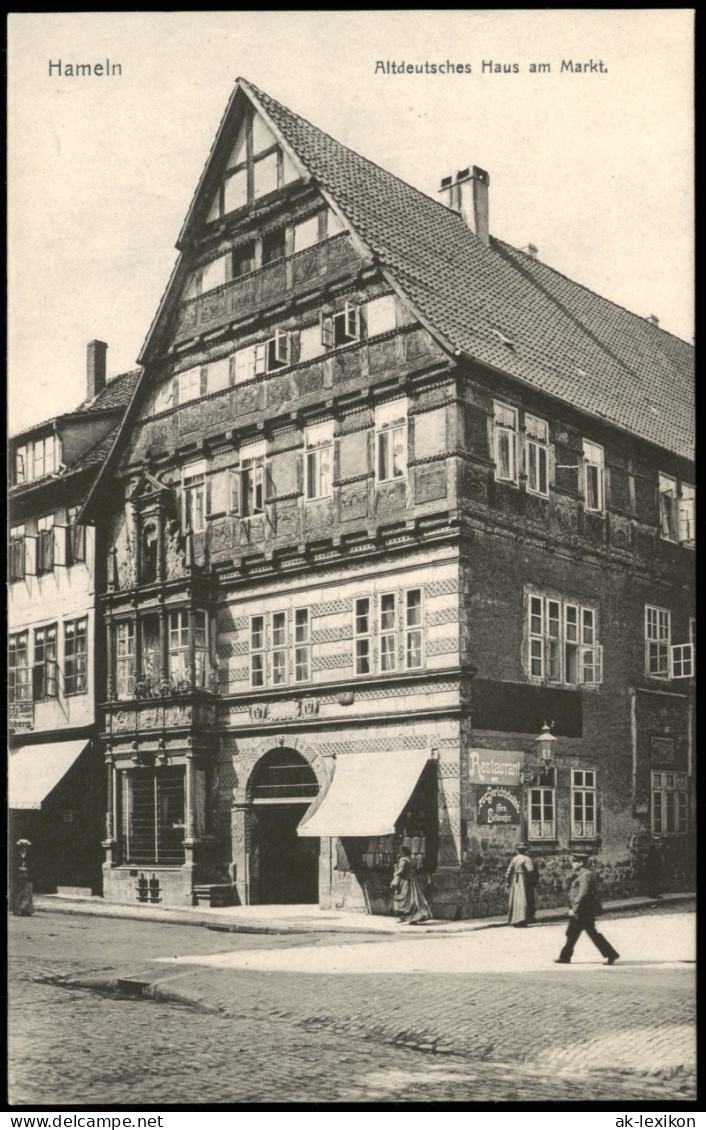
pixel 566 340
pixel 97 454
pixel 116 394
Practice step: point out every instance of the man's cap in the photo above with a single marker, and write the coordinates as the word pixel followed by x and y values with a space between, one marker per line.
pixel 522 847
pixel 580 856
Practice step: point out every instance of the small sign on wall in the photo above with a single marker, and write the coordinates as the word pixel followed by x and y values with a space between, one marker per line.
pixel 495 766
pixel 500 805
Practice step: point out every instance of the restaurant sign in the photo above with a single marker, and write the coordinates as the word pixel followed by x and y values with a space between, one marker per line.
pixel 499 805
pixel 496 766
pixel 21 717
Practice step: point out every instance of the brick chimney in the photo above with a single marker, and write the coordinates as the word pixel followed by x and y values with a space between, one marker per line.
pixel 95 368
pixel 467 193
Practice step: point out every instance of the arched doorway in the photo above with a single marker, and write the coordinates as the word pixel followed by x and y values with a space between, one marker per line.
pixel 285 866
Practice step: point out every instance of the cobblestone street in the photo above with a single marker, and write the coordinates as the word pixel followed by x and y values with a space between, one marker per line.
pixel 270 1023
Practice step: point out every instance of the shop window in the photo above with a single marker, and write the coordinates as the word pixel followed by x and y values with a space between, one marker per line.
pixel 542 808
pixel 505 442
pixel 152 822
pixel 537 440
pixel 19 689
pixel 391 441
pixel 45 544
pixel 657 641
pixel 244 259
pixel 193 487
pixel 362 635
pixel 319 459
pixel 302 658
pixel 77 537
pixel 341 328
pixel 669 803
pixel 44 670
pixel 583 804
pixel 16 553
pixel 593 477
pixel 252 480
pixel 76 656
pixel 125 659
pixel 563 642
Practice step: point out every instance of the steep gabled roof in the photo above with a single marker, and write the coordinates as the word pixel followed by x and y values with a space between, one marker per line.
pixel 116 394
pixel 566 340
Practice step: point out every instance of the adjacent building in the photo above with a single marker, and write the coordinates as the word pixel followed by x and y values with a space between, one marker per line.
pixel 56 778
pixel 399 548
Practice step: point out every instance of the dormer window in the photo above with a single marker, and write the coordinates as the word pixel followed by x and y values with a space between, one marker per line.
pixel 35 459
pixel 341 328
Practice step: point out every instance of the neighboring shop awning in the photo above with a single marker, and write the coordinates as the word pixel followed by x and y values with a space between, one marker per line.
pixel 367 794
pixel 35 770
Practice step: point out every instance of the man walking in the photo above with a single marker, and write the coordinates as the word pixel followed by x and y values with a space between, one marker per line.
pixel 584 905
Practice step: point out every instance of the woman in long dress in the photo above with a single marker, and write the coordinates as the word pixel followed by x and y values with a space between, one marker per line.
pixel 410 903
pixel 520 882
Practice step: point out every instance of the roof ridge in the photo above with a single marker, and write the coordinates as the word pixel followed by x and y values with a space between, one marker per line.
pixel 595 293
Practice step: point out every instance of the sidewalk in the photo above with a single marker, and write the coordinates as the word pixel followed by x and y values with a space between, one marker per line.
pixel 310 919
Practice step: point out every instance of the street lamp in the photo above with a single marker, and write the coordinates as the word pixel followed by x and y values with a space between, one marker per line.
pixel 546 743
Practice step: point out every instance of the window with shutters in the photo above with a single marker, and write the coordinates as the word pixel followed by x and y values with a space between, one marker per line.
pixel 391 441
pixel 193 488
pixel 505 442
pixel 264 357
pixel 76 656
pixel 318 441
pixel 563 642
pixel 125 658
pixel 44 669
pixel 252 480
pixel 16 553
pixel 341 328
pixel 593 477
pixel 19 688
pixel 536 446
pixel 669 803
pixel 188 384
pixel 77 537
pixel 583 804
pixel 657 641
pixel 45 544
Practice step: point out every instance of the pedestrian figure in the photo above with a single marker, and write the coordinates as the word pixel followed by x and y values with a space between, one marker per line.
pixel 520 881
pixel 584 905
pixel 22 903
pixel 409 901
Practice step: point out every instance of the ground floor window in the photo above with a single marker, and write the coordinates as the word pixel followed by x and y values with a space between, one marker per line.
pixel 152 818
pixel 669 803
pixel 583 804
pixel 542 807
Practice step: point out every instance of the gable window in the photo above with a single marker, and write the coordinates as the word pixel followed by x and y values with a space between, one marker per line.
pixel 125 658
pixel 542 807
pixel 583 804
pixel 306 234
pixel 505 442
pixel 563 642
pixel 193 486
pixel 319 458
pixel 668 507
pixel 669 803
pixel 75 656
pixel 273 246
pixel 391 441
pixel 215 273
pixel 17 553
pixel 77 537
pixel 244 259
pixel 341 328
pixel 18 668
pixel 657 641
pixel 189 384
pixel 687 515
pixel 362 632
pixel 44 671
pixel 257 651
pixel 45 544
pixel 252 480
pixel 537 439
pixel 265 357
pixel 593 477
